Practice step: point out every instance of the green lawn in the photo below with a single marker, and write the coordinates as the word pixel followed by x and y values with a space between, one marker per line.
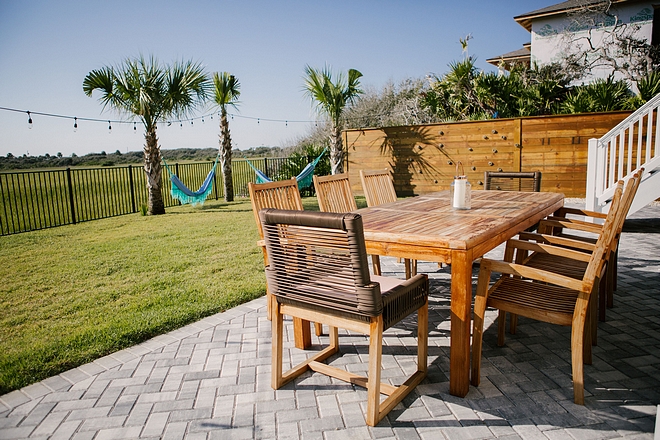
pixel 75 293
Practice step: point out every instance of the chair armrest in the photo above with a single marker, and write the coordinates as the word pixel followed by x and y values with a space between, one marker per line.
pixel 561 212
pixel 557 240
pixel 548 249
pixel 531 273
pixel 567 223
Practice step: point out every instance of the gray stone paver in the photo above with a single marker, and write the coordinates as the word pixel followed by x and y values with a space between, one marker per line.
pixel 211 379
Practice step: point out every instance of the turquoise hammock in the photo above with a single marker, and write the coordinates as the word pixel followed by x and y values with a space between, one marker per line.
pixel 184 195
pixel 304 179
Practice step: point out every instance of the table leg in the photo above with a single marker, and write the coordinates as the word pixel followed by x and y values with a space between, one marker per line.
pixel 461 308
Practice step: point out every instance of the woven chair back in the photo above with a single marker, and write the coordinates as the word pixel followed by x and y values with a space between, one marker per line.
pixel 512 181
pixel 319 260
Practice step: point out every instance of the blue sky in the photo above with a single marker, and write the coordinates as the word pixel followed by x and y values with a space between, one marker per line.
pixel 47 48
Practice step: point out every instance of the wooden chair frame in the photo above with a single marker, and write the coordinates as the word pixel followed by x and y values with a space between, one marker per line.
pixel 379 189
pixel 544 295
pixel 282 194
pixel 291 260
pixel 334 193
pixel 560 222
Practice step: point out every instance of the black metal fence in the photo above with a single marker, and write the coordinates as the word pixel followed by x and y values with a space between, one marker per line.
pixel 32 200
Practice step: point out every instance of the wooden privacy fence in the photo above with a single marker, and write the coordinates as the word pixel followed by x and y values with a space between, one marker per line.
pixel 423 157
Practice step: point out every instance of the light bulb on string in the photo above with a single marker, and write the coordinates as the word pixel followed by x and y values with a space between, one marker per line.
pixel 257 121
pixel 286 123
pixel 29 121
pixel 181 125
pixel 134 128
pixel 202 119
pixel 109 128
pixel 75 124
pixel 192 122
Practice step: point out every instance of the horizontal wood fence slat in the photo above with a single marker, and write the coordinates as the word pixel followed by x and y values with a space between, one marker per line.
pixel 423 158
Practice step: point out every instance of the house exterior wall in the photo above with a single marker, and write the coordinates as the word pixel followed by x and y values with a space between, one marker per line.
pixel 549 36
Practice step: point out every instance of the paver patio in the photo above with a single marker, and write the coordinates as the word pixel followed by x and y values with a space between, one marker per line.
pixel 211 379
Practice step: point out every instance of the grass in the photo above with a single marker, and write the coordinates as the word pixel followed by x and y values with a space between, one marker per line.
pixel 72 294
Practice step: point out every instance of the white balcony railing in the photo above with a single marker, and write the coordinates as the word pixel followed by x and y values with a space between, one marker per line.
pixel 632 144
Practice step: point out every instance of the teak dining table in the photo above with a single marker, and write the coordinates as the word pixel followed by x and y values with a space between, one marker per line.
pixel 426 228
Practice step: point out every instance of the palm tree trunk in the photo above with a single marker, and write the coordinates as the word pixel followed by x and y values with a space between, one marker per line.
pixel 225 157
pixel 154 172
pixel 336 150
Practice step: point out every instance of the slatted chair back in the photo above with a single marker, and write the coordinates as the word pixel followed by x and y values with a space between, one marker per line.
pixel 378 187
pixel 318 271
pixel 334 193
pixel 546 295
pixel 616 215
pixel 282 194
pixel 512 181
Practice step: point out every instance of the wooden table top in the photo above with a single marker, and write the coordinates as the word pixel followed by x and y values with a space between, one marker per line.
pixel 429 220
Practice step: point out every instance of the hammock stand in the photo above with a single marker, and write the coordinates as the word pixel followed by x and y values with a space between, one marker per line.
pixel 184 195
pixel 304 179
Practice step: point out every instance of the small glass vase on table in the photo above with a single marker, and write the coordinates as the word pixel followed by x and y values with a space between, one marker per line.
pixel 461 190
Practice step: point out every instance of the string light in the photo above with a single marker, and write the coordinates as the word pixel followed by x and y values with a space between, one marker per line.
pixel 169 123
pixel 75 124
pixel 134 128
pixel 109 128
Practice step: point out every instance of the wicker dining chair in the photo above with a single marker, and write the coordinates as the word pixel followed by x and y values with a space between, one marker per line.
pixel 282 194
pixel 317 270
pixel 512 181
pixel 544 295
pixel 379 189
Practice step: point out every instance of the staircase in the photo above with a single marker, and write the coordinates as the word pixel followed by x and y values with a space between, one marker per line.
pixel 634 143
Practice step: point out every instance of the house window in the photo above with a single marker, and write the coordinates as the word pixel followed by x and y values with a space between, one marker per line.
pixel 655 32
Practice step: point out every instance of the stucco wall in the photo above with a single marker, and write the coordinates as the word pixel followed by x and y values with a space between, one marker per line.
pixel 549 41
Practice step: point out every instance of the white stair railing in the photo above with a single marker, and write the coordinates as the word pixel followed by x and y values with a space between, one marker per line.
pixel 632 144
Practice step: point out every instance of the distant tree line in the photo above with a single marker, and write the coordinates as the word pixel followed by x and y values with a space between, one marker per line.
pixel 103 159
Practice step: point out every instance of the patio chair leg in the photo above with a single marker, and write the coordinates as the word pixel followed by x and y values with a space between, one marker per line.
pixel 375 259
pixel 375 358
pixel 501 327
pixel 277 323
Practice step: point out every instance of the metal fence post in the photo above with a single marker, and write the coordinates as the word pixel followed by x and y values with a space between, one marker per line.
pixel 266 166
pixel 71 199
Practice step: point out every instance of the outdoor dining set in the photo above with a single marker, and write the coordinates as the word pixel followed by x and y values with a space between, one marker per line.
pixel 559 266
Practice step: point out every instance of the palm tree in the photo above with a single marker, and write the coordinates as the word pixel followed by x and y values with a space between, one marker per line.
pixel 153 92
pixel 226 91
pixel 331 99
